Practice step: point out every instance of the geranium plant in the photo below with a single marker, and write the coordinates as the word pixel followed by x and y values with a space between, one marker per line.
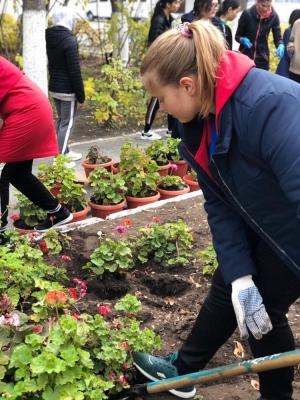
pixel 107 188
pixel 173 153
pixel 29 213
pixel 166 244
pixel 138 170
pixel 171 182
pixel 72 194
pixel 94 155
pixel 56 173
pixel 157 151
pixel 68 355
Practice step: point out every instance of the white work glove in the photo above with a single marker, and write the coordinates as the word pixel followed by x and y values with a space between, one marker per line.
pixel 249 309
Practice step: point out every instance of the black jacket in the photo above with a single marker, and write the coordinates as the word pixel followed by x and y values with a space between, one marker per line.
pixel 63 62
pixel 159 24
pixel 257 30
pixel 189 17
pixel 228 35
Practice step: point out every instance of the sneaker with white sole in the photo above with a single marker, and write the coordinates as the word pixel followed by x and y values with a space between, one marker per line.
pixel 151 135
pixel 168 133
pixel 74 156
pixel 157 368
pixel 53 220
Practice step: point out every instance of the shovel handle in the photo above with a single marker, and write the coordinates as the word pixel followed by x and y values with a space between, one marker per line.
pixel 275 361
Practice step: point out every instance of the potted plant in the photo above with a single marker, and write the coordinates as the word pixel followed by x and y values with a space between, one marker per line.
pixel 72 197
pixel 140 174
pixel 191 179
pixel 29 215
pixel 171 185
pixel 109 192
pixel 175 158
pixel 56 175
pixel 96 159
pixel 158 151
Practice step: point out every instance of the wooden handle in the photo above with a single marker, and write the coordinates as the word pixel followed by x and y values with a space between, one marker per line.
pixel 275 361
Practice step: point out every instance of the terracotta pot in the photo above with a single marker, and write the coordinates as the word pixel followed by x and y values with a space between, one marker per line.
pixel 194 185
pixel 80 215
pixel 55 189
pixel 88 168
pixel 164 169
pixel 168 194
pixel 182 168
pixel 133 202
pixel 21 231
pixel 103 211
pixel 114 167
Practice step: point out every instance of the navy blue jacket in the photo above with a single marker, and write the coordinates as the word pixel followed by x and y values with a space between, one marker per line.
pixel 256 172
pixel 159 24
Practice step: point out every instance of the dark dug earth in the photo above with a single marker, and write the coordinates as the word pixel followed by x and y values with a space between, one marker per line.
pixel 171 297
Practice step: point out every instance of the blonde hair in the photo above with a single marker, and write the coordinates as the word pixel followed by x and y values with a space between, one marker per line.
pixel 173 56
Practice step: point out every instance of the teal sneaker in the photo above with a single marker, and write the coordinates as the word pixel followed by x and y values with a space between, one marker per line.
pixel 157 368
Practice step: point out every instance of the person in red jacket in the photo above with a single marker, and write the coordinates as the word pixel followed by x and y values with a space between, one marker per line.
pixel 27 132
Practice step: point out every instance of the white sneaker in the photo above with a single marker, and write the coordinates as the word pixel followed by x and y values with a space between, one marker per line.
pixel 70 165
pixel 151 135
pixel 169 133
pixel 74 156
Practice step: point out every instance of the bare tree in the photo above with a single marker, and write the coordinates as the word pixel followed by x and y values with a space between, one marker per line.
pixel 121 32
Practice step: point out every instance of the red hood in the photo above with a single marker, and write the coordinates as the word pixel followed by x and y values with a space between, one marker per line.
pixel 232 71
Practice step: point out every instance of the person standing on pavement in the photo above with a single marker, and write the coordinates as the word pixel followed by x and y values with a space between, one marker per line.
pixel 160 22
pixel 27 132
pixel 241 137
pixel 284 64
pixel 65 84
pixel 253 31
pixel 294 48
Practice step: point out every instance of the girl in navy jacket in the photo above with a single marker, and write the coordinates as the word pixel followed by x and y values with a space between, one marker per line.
pixel 241 136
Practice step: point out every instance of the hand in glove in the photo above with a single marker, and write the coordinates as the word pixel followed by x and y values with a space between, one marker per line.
pixel 249 309
pixel 246 42
pixel 279 51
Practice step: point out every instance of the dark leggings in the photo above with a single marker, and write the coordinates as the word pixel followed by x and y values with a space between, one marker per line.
pixel 19 174
pixel 152 109
pixel 216 322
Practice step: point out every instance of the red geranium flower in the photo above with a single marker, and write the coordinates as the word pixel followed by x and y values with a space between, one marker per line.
pixel 155 219
pixel 104 310
pixel 73 293
pixel 127 222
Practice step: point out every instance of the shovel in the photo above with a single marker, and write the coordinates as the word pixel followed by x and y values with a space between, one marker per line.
pixel 262 364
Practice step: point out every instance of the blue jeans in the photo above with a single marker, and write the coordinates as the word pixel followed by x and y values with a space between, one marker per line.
pixel 216 322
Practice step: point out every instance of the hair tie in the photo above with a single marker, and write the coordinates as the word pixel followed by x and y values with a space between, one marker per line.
pixel 185 30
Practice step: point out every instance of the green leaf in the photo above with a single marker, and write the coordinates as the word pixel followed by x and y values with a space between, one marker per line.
pixel 69 354
pixel 21 355
pixel 47 362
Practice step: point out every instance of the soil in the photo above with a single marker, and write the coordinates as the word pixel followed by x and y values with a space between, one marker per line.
pixel 171 297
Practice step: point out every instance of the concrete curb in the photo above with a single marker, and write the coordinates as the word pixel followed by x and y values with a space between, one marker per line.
pixel 125 213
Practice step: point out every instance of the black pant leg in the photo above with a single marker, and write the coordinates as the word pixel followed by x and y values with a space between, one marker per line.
pixel 214 325
pixel 152 109
pixel 4 196
pixel 21 177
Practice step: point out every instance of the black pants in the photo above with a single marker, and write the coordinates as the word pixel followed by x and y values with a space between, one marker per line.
pixel 216 322
pixel 152 109
pixel 19 174
pixel 294 77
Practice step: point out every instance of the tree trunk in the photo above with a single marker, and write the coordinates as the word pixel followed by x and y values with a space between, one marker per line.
pixel 34 46
pixel 121 35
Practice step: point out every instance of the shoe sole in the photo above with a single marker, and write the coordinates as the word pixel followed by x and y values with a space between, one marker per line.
pixel 70 217
pixel 150 138
pixel 182 395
